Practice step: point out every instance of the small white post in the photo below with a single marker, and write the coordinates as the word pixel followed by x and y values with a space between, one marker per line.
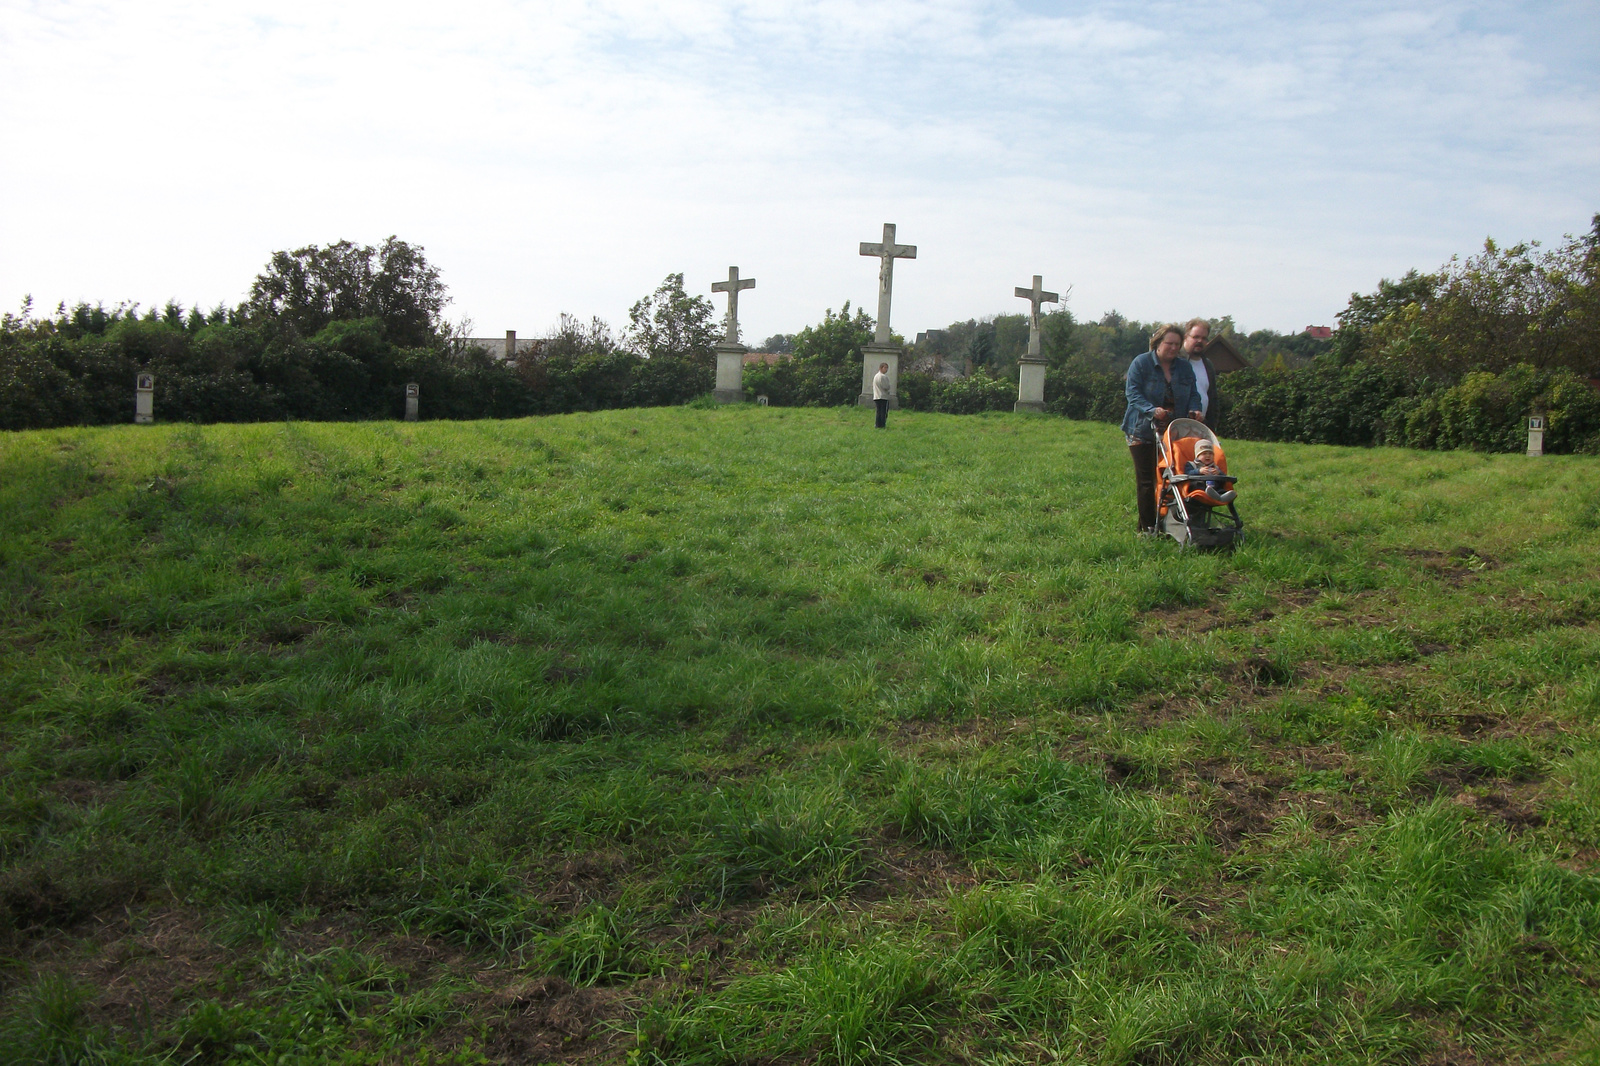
pixel 144 398
pixel 412 392
pixel 1536 434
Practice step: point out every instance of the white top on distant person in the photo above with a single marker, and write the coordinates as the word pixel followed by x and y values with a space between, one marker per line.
pixel 1196 334
pixel 880 382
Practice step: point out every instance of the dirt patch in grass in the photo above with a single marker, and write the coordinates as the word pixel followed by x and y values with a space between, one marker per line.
pixel 1190 621
pixel 145 970
pixel 547 1020
pixel 83 793
pixel 897 870
pixel 1455 566
pixel 1241 803
pixel 1513 806
pixel 576 881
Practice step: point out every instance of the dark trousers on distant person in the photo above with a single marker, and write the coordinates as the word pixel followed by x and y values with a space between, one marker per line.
pixel 883 412
pixel 1144 476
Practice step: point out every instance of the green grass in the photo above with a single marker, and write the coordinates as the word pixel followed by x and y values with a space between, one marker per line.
pixel 754 735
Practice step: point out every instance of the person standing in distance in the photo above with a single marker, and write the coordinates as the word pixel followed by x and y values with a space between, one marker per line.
pixel 880 394
pixel 1196 335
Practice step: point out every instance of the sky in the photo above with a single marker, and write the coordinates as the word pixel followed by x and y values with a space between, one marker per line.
pixel 1258 159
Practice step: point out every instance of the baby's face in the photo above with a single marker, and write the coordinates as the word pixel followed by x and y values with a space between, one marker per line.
pixel 1203 455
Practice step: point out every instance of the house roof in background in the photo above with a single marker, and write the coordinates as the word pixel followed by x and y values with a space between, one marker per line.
pixel 1225 358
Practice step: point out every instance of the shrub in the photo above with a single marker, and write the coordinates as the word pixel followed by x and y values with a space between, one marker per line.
pixel 960 396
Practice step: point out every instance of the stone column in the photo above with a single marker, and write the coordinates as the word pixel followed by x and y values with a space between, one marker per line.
pixel 411 401
pixel 511 344
pixel 1536 434
pixel 1030 384
pixel 730 372
pixel 144 399
pixel 871 356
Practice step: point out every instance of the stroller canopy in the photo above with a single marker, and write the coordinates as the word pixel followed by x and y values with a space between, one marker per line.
pixel 1185 428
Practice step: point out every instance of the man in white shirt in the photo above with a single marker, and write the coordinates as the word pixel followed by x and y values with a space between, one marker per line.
pixel 1196 333
pixel 880 394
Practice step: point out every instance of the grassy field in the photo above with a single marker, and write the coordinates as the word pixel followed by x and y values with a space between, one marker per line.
pixel 755 736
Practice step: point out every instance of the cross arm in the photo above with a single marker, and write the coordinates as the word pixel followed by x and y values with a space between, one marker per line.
pixel 893 251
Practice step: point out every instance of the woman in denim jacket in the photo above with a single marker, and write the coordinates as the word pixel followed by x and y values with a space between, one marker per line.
pixel 1160 386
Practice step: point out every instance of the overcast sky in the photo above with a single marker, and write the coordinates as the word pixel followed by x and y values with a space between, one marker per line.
pixel 1163 159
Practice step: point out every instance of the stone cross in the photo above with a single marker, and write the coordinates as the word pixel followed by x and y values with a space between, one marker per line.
pixel 1036 296
pixel 732 287
pixel 1030 368
pixel 888 251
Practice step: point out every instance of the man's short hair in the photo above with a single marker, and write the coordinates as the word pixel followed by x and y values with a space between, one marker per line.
pixel 1162 331
pixel 1193 322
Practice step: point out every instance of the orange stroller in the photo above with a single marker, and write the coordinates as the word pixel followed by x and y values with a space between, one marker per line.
pixel 1186 511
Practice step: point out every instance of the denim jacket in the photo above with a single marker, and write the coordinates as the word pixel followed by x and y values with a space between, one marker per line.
pixel 1145 387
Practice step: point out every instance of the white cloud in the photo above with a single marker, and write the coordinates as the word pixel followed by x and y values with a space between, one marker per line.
pixel 564 156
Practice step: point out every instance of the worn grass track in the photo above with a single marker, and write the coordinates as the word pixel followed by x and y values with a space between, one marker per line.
pixel 754 735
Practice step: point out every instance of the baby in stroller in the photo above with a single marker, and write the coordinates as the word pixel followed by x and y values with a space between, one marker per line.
pixel 1204 464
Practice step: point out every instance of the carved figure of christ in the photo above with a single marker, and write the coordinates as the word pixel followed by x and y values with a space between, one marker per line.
pixel 732 287
pixel 1036 296
pixel 888 251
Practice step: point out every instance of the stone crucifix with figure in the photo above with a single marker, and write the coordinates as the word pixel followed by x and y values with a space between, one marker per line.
pixel 730 353
pixel 1030 368
pixel 882 350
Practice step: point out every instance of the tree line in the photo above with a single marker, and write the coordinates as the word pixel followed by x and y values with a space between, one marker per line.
pixel 1452 358
pixel 1455 358
pixel 334 333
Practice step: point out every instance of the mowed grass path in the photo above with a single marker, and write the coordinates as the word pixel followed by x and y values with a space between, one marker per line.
pixel 756 736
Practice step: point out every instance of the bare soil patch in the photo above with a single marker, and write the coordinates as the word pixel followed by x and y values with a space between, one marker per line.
pixel 545 1020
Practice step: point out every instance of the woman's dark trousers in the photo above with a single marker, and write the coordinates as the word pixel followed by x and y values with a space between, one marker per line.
pixel 1144 475
pixel 883 412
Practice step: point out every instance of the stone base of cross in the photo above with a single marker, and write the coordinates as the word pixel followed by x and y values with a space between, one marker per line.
pixel 1030 384
pixel 730 373
pixel 872 356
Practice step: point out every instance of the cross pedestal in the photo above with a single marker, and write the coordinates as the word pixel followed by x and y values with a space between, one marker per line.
pixel 730 373
pixel 1030 385
pixel 1031 367
pixel 871 356
pixel 144 399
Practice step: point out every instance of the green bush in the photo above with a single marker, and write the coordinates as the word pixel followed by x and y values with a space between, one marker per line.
pixel 1374 403
pixel 1086 392
pixel 968 395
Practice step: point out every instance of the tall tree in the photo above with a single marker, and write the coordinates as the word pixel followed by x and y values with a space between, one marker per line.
pixel 671 323
pixel 302 291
